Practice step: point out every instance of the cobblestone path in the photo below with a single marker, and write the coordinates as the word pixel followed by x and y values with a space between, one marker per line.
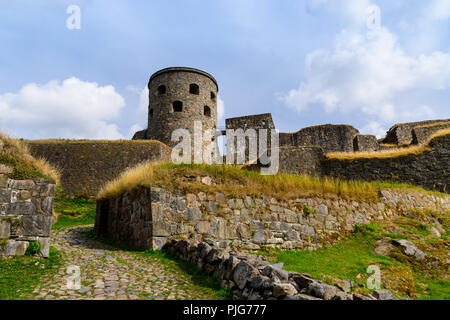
pixel 108 273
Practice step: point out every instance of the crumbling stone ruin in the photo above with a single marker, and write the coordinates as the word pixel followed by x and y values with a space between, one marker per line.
pixel 180 96
pixel 26 208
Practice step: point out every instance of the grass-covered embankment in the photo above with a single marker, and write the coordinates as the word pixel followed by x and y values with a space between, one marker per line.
pixel 404 275
pixel 236 181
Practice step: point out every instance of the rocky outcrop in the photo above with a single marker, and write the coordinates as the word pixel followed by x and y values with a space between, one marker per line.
pixel 252 277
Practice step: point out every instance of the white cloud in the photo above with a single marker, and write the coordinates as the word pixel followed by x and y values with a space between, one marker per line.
pixel 72 109
pixel 374 128
pixel 439 9
pixel 369 73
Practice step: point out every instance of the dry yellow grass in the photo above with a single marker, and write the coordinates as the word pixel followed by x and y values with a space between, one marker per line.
pixel 434 124
pixel 392 153
pixel 140 175
pixel 234 181
pixel 20 151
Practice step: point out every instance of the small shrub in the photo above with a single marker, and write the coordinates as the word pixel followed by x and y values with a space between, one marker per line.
pixel 33 248
pixel 307 210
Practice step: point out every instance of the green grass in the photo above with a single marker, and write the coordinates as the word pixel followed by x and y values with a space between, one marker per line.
pixel 74 212
pixel 20 275
pixel 345 260
pixel 21 171
pixel 353 254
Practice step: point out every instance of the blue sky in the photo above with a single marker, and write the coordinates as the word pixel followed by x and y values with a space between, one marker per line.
pixel 307 62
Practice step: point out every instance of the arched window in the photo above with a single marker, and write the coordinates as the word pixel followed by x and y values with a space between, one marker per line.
pixel 194 89
pixel 161 90
pixel 213 96
pixel 177 106
pixel 151 113
pixel 207 111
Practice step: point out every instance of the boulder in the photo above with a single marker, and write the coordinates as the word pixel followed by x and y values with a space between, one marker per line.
pixel 303 281
pixel 410 249
pixel 383 295
pixel 243 273
pixel 273 271
pixel 283 289
pixel 322 291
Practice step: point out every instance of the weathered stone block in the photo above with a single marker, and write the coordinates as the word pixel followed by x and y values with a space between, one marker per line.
pixel 158 242
pixel 47 205
pixel 4 181
pixel 5 195
pixel 22 208
pixel 5 229
pixel 22 184
pixel 45 246
pixel 5 169
pixel 36 225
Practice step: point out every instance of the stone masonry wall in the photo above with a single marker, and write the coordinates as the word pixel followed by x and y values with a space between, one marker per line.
pixel 26 208
pixel 420 135
pixel 163 119
pixel 430 169
pixel 363 142
pixel 148 217
pixel 402 133
pixel 87 165
pixel 331 138
pixel 301 160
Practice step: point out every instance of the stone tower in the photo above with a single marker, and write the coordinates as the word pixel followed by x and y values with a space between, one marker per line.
pixel 178 97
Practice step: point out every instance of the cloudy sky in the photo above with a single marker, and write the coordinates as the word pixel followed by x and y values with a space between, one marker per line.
pixel 307 62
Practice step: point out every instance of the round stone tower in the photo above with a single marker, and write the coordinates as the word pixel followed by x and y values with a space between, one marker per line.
pixel 178 97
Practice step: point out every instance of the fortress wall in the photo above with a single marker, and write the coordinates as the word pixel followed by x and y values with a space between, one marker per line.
pixel 149 217
pixel 401 133
pixel 420 135
pixel 332 138
pixel 365 143
pixel 430 169
pixel 259 121
pixel 87 165
pixel 301 160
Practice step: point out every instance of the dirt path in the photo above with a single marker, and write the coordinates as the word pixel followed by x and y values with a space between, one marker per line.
pixel 109 273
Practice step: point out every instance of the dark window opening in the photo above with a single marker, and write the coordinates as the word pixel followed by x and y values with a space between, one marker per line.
pixel 245 125
pixel 263 122
pixel 161 90
pixel 213 96
pixel 178 106
pixel 194 89
pixel 151 113
pixel 207 111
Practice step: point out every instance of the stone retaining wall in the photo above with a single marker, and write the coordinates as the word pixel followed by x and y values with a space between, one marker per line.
pixel 87 165
pixel 148 217
pixel 330 137
pixel 430 169
pixel 402 133
pixel 420 135
pixel 26 208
